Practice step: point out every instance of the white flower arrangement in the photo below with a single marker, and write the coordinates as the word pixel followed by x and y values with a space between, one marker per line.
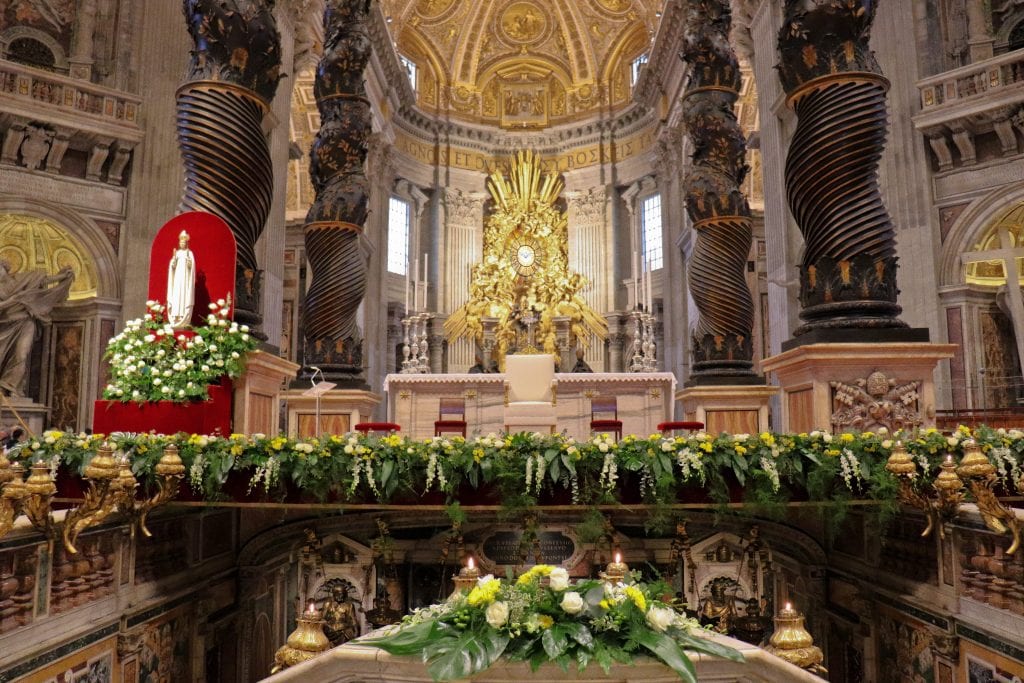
pixel 151 361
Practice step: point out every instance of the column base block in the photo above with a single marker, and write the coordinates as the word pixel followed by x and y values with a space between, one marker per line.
pixel 340 411
pixel 735 409
pixel 257 408
pixel 857 386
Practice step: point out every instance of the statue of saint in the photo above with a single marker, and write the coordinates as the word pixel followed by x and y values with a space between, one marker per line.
pixel 718 609
pixel 26 298
pixel 581 363
pixel 181 284
pixel 340 622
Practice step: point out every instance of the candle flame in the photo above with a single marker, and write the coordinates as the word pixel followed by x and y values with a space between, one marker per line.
pixel 789 606
pixel 469 563
pixel 312 607
pixel 618 558
pixel 949 457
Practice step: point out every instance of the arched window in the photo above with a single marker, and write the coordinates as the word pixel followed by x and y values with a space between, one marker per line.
pixel 1016 40
pixel 31 52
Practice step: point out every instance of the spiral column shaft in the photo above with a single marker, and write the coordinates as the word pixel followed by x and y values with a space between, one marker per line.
pixel 722 347
pixel 835 86
pixel 335 220
pixel 233 75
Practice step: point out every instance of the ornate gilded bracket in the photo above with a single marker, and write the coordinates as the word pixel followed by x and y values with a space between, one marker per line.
pixel 980 475
pixel 100 499
pixel 948 489
pixel 170 471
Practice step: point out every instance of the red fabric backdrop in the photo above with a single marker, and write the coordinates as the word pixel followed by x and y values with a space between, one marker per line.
pixel 165 417
pixel 213 246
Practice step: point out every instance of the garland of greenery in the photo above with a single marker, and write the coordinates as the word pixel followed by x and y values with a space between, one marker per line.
pixel 152 361
pixel 525 469
pixel 543 617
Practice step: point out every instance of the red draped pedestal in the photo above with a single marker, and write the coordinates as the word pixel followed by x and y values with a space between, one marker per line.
pixel 167 417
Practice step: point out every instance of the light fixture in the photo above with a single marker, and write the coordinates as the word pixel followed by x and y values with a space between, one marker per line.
pixel 792 642
pixel 467 576
pixel 304 643
pixel 616 570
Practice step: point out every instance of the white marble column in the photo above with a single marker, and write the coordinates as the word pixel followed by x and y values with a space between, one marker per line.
pixel 462 215
pixel 588 254
pixel 670 285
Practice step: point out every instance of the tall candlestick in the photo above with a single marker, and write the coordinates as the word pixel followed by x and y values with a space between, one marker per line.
pixel 416 285
pixel 650 292
pixel 636 282
pixel 407 276
pixel 426 276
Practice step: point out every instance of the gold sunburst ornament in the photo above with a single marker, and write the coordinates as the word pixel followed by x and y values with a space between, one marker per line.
pixel 525 265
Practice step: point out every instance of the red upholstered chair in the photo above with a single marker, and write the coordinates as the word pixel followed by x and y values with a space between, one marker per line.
pixel 367 427
pixel 451 417
pixel 666 428
pixel 605 405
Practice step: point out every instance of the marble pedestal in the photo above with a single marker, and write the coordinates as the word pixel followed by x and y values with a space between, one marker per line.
pixel 15 410
pixel 340 411
pixel 807 375
pixel 257 399
pixel 735 409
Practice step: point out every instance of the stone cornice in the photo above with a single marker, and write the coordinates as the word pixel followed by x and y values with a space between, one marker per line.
pixel 664 57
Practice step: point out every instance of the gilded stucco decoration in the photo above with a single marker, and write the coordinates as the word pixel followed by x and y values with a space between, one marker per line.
pixel 33 243
pixel 523 63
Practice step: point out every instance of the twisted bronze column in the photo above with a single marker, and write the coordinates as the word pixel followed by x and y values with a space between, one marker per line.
pixel 232 78
pixel 722 346
pixel 335 221
pixel 835 86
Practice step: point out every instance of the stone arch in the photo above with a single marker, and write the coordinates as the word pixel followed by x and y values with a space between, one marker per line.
pixel 970 226
pixel 60 60
pixel 84 231
pixel 1010 28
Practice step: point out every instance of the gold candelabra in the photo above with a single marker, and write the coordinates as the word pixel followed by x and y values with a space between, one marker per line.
pixel 466 578
pixel 305 642
pixel 111 487
pixel 948 489
pixel 980 475
pixel 792 642
pixel 616 570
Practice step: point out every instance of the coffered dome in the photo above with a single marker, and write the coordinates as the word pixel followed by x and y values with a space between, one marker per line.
pixel 522 63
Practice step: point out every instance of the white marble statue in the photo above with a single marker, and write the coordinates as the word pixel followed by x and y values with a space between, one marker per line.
pixel 181 284
pixel 26 299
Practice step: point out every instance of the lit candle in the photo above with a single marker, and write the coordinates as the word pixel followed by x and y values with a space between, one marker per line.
pixel 789 607
pixel 469 562
pixel 636 282
pixel 618 558
pixel 949 457
pixel 312 608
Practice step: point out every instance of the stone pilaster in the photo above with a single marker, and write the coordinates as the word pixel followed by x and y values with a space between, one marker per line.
pixel 589 222
pixel 463 221
pixel 81 57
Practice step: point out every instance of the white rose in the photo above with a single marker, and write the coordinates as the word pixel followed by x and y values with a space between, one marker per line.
pixel 245 337
pixel 660 618
pixel 244 328
pixel 205 368
pixel 603 447
pixel 559 579
pixel 234 354
pixel 150 338
pixel 952 441
pixel 348 449
pixel 887 443
pixel 827 438
pixel 157 381
pixel 166 390
pixel 181 392
pixel 497 614
pixel 572 603
pixel 213 348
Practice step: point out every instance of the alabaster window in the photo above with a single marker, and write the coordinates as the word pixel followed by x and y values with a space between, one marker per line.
pixel 650 231
pixel 410 69
pixel 634 70
pixel 399 223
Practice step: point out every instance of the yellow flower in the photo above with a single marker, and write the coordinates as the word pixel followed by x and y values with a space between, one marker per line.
pixel 706 447
pixel 545 621
pixel 740 449
pixel 478 454
pixel 637 596
pixel 536 570
pixel 832 451
pixel 846 437
pixel 277 443
pixel 236 450
pixel 604 604
pixel 484 593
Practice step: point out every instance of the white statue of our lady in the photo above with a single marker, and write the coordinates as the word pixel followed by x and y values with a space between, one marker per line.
pixel 181 284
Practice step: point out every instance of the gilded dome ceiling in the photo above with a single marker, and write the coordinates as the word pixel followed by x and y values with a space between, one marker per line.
pixel 522 63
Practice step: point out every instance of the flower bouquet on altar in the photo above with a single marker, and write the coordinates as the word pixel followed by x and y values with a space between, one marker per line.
pixel 152 361
pixel 543 617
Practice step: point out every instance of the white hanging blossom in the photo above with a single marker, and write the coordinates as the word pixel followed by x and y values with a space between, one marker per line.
pixel 850 468
pixel 357 468
pixel 266 474
pixel 195 472
pixel 690 464
pixel 646 480
pixel 435 471
pixel 768 465
pixel 538 471
pixel 1007 466
pixel 609 472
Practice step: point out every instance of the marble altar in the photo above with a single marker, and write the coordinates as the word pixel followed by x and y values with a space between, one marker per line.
pixel 354 663
pixel 644 400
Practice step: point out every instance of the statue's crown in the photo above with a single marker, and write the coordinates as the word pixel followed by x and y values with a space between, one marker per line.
pixel 183 234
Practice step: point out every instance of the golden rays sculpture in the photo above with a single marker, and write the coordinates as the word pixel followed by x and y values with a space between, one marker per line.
pixel 525 267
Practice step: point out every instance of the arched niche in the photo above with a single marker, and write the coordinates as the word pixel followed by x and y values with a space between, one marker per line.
pixel 67 370
pixel 17 35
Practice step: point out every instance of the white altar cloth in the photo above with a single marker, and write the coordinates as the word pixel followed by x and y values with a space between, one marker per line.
pixel 644 400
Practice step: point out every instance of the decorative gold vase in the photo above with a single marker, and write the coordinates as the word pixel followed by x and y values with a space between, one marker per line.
pixel 304 643
pixel 793 642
